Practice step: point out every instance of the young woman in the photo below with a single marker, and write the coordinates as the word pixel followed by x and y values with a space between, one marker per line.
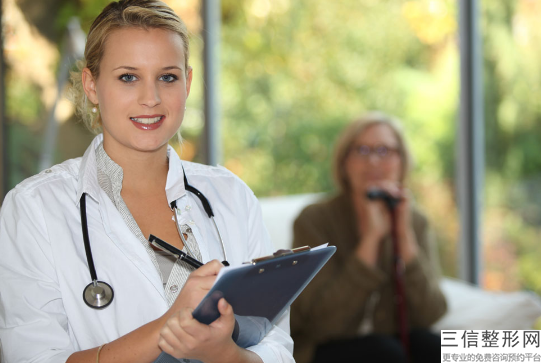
pixel 348 311
pixel 129 184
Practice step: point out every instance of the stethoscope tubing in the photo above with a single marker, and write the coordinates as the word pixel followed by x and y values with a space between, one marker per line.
pixel 102 292
pixel 86 239
pixel 221 241
pixel 97 294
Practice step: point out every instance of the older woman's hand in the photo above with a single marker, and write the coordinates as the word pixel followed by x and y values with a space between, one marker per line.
pixel 374 223
pixel 407 242
pixel 374 219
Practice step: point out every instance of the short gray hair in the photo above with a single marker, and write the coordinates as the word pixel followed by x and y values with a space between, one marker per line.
pixel 352 131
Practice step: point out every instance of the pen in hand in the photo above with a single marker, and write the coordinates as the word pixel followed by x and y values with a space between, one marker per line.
pixel 166 247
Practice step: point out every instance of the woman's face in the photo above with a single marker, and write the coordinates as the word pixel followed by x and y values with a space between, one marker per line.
pixel 373 158
pixel 141 90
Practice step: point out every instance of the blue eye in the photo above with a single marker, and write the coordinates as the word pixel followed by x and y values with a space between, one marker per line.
pixel 127 78
pixel 169 78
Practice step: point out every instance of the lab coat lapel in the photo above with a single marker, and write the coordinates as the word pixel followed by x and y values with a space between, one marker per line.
pixel 113 224
pixel 176 191
pixel 128 243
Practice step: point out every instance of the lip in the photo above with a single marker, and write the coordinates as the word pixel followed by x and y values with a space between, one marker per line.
pixel 147 116
pixel 147 127
pixel 372 177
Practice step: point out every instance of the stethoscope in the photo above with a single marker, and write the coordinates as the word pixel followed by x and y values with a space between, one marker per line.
pixel 99 294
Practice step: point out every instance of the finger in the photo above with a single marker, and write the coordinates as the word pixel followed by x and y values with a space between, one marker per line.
pixel 185 317
pixel 197 287
pixel 391 187
pixel 376 206
pixel 201 282
pixel 193 292
pixel 405 198
pixel 191 326
pixel 171 337
pixel 406 194
pixel 166 347
pixel 209 269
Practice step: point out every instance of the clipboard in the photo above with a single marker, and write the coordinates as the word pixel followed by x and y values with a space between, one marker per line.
pixel 261 290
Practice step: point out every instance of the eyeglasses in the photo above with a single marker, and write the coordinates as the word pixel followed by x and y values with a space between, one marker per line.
pixel 379 151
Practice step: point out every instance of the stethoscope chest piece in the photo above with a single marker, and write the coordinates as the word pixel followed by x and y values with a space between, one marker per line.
pixel 98 294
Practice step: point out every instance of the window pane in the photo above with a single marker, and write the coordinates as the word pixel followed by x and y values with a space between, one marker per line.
pixel 512 54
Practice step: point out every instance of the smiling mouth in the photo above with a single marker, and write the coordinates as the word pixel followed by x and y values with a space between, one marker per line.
pixel 146 120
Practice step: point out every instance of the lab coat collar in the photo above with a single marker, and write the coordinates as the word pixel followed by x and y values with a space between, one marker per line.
pixel 174 187
pixel 88 174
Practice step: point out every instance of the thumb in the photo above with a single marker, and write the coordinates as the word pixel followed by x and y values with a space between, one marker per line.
pixel 227 317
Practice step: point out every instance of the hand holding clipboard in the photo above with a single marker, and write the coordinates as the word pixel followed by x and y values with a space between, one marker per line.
pixel 261 290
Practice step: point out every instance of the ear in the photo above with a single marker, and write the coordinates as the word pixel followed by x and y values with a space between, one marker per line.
pixel 89 86
pixel 189 80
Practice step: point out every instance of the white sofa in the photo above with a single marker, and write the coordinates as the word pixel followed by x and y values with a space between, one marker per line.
pixel 469 307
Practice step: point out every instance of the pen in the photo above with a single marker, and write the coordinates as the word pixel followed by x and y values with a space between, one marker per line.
pixel 166 247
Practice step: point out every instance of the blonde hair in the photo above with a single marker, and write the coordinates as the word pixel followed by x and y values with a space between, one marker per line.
pixel 144 14
pixel 349 135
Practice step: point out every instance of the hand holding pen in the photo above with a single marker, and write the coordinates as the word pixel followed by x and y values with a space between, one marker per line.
pixel 179 324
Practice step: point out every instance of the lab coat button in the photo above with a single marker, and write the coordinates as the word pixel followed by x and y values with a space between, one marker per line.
pixel 174 289
pixel 48 171
pixel 188 230
pixel 188 207
pixel 191 222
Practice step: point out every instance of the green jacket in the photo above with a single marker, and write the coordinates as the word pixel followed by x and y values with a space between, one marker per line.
pixel 347 293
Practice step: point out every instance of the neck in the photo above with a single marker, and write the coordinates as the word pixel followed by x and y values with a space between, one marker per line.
pixel 144 172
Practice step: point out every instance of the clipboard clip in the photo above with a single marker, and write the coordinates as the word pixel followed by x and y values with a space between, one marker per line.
pixel 279 253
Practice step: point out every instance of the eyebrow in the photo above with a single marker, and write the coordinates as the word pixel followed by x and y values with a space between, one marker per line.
pixel 134 68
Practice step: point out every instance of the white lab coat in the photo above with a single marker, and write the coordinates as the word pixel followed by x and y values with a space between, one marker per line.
pixel 43 266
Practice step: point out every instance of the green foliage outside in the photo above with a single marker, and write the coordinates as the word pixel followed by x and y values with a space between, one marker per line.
pixel 293 77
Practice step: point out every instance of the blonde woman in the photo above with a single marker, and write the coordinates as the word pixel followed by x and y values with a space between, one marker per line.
pixel 348 313
pixel 127 302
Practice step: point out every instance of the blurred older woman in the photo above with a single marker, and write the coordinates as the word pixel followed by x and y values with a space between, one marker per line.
pixel 348 312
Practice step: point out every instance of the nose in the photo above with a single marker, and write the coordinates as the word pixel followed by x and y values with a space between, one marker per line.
pixel 373 158
pixel 150 95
